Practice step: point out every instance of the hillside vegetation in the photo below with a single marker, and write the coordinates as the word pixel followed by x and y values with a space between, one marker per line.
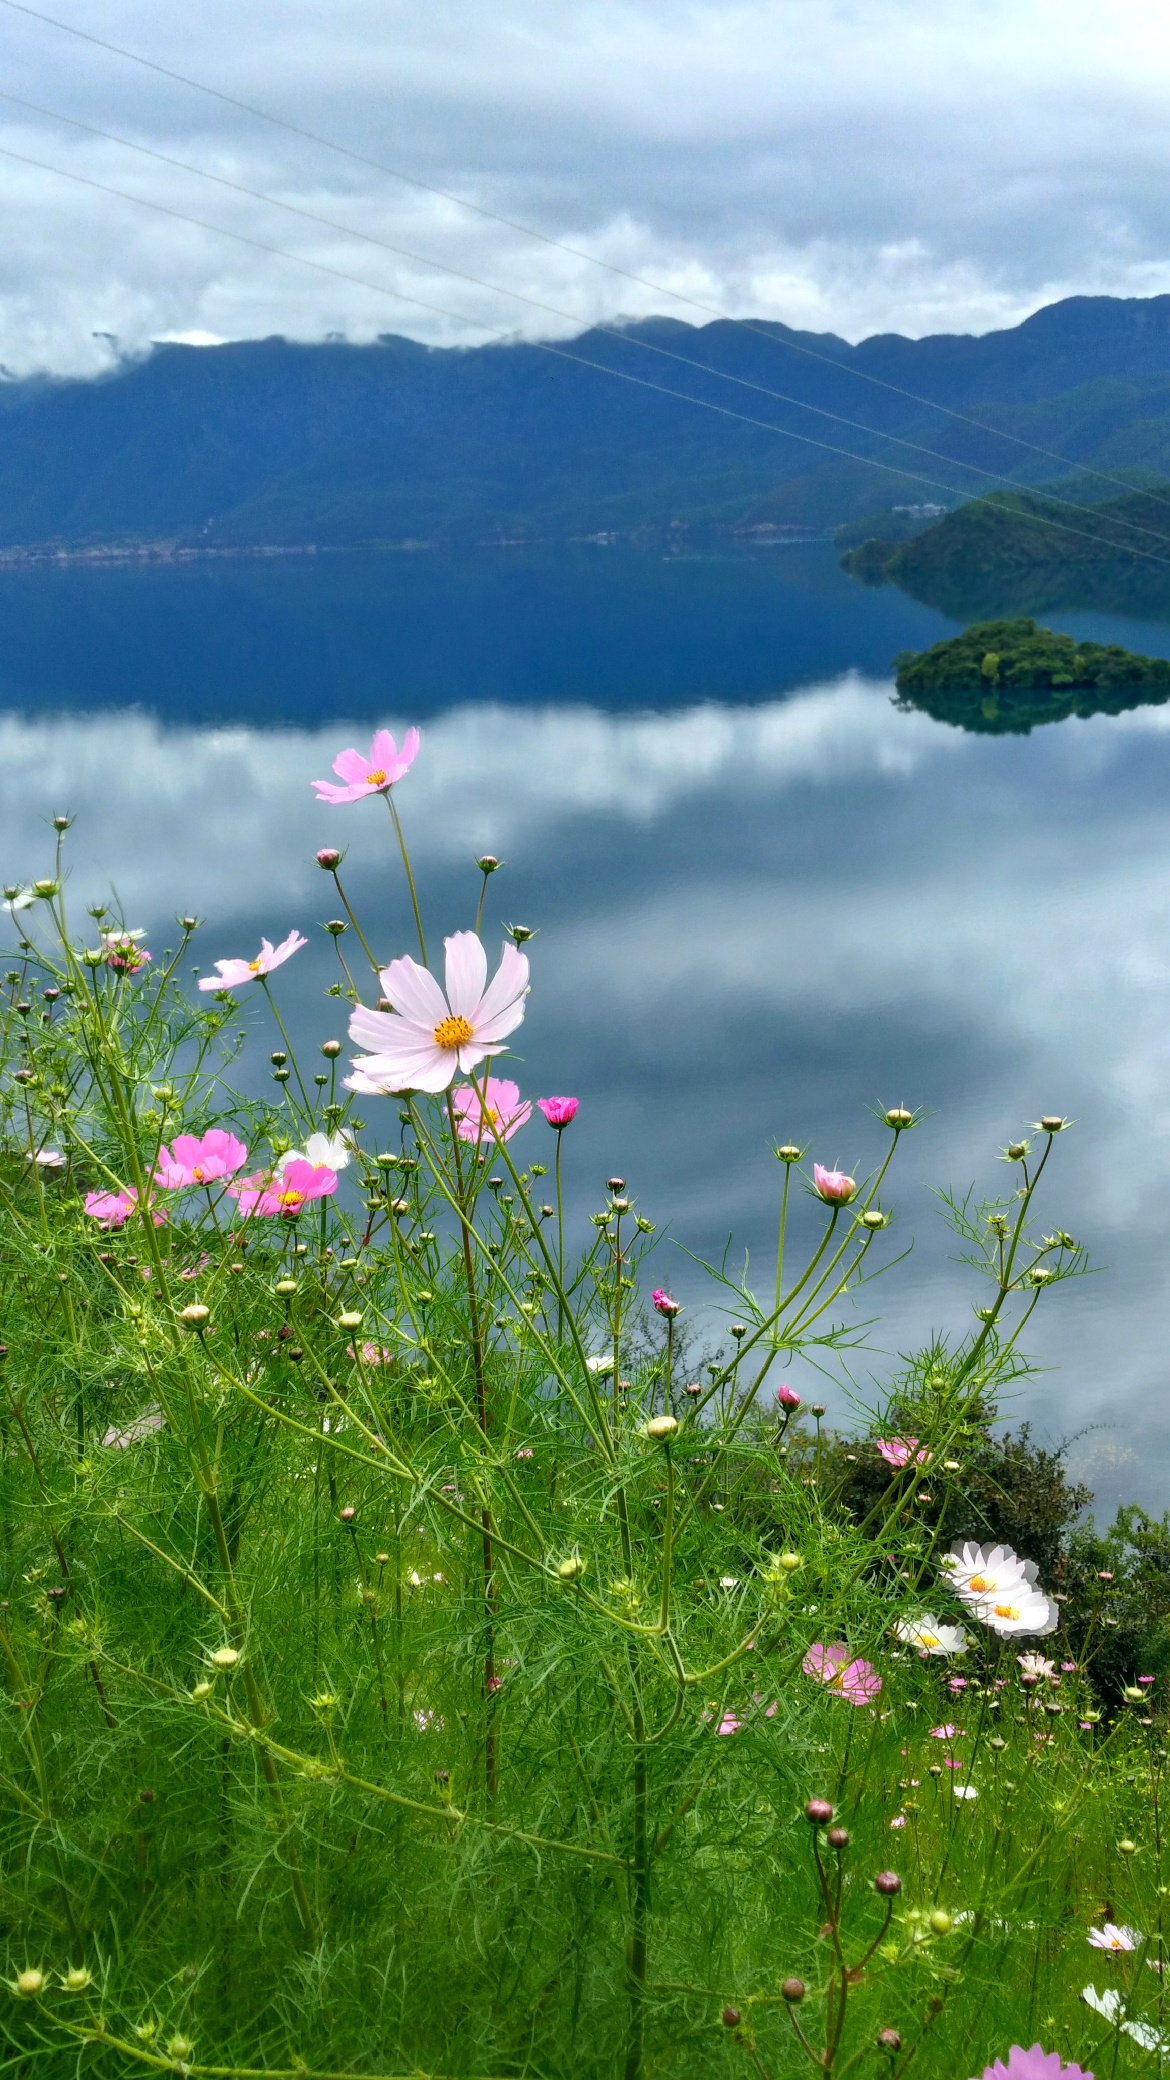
pixel 1009 675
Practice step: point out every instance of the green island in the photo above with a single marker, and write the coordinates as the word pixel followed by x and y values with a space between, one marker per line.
pixel 1007 676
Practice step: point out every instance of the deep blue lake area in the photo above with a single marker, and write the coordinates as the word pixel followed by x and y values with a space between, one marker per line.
pixel 767 902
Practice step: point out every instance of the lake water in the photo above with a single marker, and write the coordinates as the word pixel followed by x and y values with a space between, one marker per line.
pixel 767 901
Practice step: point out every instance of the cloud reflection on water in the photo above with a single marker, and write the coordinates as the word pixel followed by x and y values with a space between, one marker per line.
pixel 755 923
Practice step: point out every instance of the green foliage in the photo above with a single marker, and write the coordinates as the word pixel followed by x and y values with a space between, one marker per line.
pixel 402 1670
pixel 1010 675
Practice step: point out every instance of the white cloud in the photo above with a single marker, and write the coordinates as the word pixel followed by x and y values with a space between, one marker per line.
pixel 901 165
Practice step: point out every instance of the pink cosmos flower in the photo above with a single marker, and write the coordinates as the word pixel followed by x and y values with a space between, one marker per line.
pixel 899 1820
pixel 375 773
pixel 663 1304
pixel 898 1451
pixel 833 1186
pixel 506 1111
pixel 113 1209
pixel 431 1037
pixel 199 1159
pixel 233 973
pixel 788 1397
pixel 297 1183
pixel 122 952
pixel 559 1111
pixel 371 1354
pixel 1113 1937
pixel 729 1723
pixel 1036 2064
pixel 946 1733
pixel 858 1681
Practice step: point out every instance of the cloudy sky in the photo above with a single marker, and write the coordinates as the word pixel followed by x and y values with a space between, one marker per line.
pixel 854 165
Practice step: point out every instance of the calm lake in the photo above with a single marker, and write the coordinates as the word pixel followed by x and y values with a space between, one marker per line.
pixel 767 901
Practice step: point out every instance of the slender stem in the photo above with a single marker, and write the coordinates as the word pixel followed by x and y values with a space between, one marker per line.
pixel 422 944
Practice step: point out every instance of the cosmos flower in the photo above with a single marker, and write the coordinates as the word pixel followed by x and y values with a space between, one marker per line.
pixel 121 951
pixel 559 1112
pixel 431 1037
pixel 1036 2064
pixel 287 1191
pixel 1000 1589
pixel 1111 2004
pixel 788 1397
pixel 194 1159
pixel 929 1636
pixel 856 1680
pixel 1019 1611
pixel 233 973
pixel 1112 1936
pixel 113 1209
pixel 1036 1666
pixel 899 1451
pixel 375 772
pixel 833 1186
pixel 663 1304
pixel 506 1111
pixel 964 1791
pixel 329 1151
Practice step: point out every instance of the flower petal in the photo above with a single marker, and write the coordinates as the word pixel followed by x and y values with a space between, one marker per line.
pixel 508 984
pixel 466 974
pixel 414 993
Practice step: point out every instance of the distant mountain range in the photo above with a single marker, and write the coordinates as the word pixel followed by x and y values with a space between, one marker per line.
pixel 275 443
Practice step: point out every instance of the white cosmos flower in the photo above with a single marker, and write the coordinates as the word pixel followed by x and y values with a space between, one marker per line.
pixel 430 1037
pixel 50 1159
pixel 1037 1666
pixel 328 1151
pixel 930 1636
pixel 1023 1610
pixel 1111 2004
pixel 22 900
pixel 601 1364
pixel 965 1791
pixel 977 1572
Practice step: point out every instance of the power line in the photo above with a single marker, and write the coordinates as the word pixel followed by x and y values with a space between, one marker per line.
pixel 624 338
pixel 539 346
pixel 763 331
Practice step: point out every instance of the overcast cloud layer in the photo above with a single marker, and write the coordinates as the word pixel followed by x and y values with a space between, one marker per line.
pixel 909 165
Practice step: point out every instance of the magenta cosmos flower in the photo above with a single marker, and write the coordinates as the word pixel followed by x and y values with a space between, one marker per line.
pixel 506 1111
pixel 1036 2064
pixel 899 1451
pixel 373 772
pixel 856 1680
pixel 199 1159
pixel 788 1397
pixel 232 973
pixel 430 1037
pixel 113 1209
pixel 833 1186
pixel 663 1304
pixel 293 1187
pixel 559 1111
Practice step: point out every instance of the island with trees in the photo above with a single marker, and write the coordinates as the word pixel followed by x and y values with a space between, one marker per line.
pixel 1007 676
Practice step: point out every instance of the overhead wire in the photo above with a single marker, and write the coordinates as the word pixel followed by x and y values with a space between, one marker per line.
pixel 761 330
pixel 620 334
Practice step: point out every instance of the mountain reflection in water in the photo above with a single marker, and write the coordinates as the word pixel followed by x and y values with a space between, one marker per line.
pixel 754 923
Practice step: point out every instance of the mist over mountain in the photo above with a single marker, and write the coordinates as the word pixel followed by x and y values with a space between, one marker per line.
pixel 269 442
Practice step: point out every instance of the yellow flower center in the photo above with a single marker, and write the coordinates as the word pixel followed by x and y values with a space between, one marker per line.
pixel 197 1174
pixel 1007 1610
pixel 292 1198
pixel 929 1639
pixel 256 965
pixel 980 1584
pixel 453 1032
pixel 376 779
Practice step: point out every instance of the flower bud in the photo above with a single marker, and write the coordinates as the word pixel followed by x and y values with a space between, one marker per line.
pixel 200 1691
pixel 1052 1123
pixel 693 1389
pixel 1017 1150
pixel 519 933
pixel 383 1004
pixel 817 1408
pixel 76 1979
pixel 819 1811
pixel 620 1206
pixel 351 1319
pixel 873 1219
pixel 789 1562
pixel 940 1922
pixel 196 1316
pixel 331 1049
pixel 730 2018
pixel 663 1304
pixel 179 2046
pixel 286 1287
pixel 889 2040
pixel 30 1981
pixel 615 1184
pixel 328 858
pixel 838 1837
pixel 887 1883
pixel 1126 1848
pixel 897 1117
pixel 189 924
pixel 225 1657
pixel 737 1330
pixel 335 926
pixel 660 1428
pixel 788 1397
pixel 792 1990
pixel 788 1152
pixel 488 864
pixel 347 1514
pixel 46 888
pixel 571 1569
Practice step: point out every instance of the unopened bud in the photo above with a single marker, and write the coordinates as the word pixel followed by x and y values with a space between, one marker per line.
pixel 789 1562
pixel 1017 1150
pixel 61 823
pixel 792 1990
pixel 1126 1848
pixel 873 1219
pixel 336 926
pixel 189 924
pixel 351 1319
pixel 889 2040
pixel 383 1004
pixel 225 1657
pixel 76 1979
pixel 328 858
pixel 572 1568
pixel 488 864
pixel 179 2046
pixel 286 1287
pixel 659 1428
pixel 819 1811
pixel 620 1206
pixel 817 1408
pixel 738 1331
pixel 887 1883
pixel 347 1514
pixel 201 1691
pixel 898 1117
pixel 941 1922
pixel 615 1184
pixel 519 933
pixel 331 1049
pixel 196 1316
pixel 788 1152
pixel 838 1837
pixel 30 1981
pixel 730 2018
pixel 1052 1123
pixel 46 888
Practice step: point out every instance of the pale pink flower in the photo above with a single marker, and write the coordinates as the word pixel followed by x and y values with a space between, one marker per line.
pixel 788 1397
pixel 1113 1937
pixel 833 1186
pixel 899 1451
pixel 856 1680
pixel 431 1037
pixel 297 1183
pixel 233 973
pixel 375 772
pixel 559 1111
pixel 729 1723
pixel 505 1113
pixel 946 1733
pixel 899 1820
pixel 122 952
pixel 1036 2064
pixel 663 1304
pixel 113 1209
pixel 524 1451
pixel 194 1159
pixel 371 1354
